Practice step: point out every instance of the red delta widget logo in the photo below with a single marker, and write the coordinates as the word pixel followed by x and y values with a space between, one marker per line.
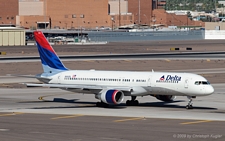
pixel 169 79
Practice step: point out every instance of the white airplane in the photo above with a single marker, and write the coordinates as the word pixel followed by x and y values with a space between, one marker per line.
pixel 110 87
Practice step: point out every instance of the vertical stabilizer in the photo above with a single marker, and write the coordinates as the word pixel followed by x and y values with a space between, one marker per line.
pixel 49 59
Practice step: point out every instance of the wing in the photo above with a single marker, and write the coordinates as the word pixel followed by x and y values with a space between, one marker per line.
pixel 40 78
pixel 81 87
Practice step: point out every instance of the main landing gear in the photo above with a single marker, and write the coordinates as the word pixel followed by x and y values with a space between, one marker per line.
pixel 132 102
pixel 189 106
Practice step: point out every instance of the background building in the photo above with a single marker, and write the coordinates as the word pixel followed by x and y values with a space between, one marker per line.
pixel 12 36
pixel 88 14
pixel 142 11
pixel 8 11
pixel 64 14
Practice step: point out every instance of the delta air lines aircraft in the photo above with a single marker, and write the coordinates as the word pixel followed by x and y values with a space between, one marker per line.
pixel 110 87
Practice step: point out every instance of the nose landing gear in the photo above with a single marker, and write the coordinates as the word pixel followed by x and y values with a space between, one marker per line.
pixel 189 106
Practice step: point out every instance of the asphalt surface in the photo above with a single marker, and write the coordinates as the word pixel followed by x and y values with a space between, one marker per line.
pixel 213 68
pixel 144 56
pixel 46 127
pixel 122 48
pixel 52 114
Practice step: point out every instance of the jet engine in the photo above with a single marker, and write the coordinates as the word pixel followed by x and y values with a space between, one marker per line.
pixel 110 96
pixel 166 98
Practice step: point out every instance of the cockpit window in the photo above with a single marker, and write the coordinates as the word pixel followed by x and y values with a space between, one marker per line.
pixel 196 82
pixel 202 83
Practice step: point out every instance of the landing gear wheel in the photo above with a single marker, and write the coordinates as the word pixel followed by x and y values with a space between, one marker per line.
pixel 189 106
pixel 128 103
pixel 136 103
pixel 132 102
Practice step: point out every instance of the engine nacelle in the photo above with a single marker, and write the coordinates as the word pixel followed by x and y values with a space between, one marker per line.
pixel 165 98
pixel 110 96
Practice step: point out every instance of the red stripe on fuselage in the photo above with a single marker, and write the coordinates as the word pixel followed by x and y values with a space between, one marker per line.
pixel 42 41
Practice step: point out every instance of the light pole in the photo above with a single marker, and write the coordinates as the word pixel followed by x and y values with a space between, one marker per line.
pixel 45 12
pixel 187 20
pixel 71 24
pixel 112 22
pixel 154 20
pixel 215 6
pixel 119 14
pixel 146 18
pixel 139 12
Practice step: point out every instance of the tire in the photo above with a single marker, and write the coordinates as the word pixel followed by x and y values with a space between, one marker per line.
pixel 136 103
pixel 128 103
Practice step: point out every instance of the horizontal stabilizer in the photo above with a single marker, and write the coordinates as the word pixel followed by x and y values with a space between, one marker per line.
pixel 42 79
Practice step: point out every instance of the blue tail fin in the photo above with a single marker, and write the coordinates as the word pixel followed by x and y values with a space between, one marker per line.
pixel 49 59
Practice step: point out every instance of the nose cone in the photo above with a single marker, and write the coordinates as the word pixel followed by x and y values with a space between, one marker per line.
pixel 209 90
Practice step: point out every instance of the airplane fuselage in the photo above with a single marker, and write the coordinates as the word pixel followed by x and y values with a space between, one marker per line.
pixel 140 83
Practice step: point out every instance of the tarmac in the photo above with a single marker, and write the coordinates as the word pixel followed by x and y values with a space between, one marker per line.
pixel 121 48
pixel 53 114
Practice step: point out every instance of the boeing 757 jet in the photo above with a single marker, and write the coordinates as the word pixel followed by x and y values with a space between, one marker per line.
pixel 110 87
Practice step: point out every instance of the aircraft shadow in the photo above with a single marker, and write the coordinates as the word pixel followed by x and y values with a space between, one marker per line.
pixel 60 100
pixel 83 104
pixel 159 104
pixel 80 106
pixel 169 105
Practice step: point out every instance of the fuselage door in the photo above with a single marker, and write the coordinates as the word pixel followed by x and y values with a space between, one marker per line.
pixel 149 81
pixel 149 84
pixel 186 83
pixel 58 79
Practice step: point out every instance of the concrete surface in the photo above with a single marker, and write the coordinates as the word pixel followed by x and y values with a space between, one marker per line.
pixel 51 114
pixel 126 47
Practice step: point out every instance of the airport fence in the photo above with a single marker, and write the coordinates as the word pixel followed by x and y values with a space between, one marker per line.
pixel 147 36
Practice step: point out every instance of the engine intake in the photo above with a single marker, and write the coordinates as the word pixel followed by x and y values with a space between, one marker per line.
pixel 111 96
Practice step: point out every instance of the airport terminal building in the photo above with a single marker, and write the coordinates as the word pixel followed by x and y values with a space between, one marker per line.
pixel 71 14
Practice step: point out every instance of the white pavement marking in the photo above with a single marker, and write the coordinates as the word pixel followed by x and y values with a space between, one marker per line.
pixel 4 130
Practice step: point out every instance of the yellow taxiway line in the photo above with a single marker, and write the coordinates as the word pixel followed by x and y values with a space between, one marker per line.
pixel 128 119
pixel 89 60
pixel 42 97
pixel 196 122
pixel 70 116
pixel 127 60
pixel 167 60
pixel 11 114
